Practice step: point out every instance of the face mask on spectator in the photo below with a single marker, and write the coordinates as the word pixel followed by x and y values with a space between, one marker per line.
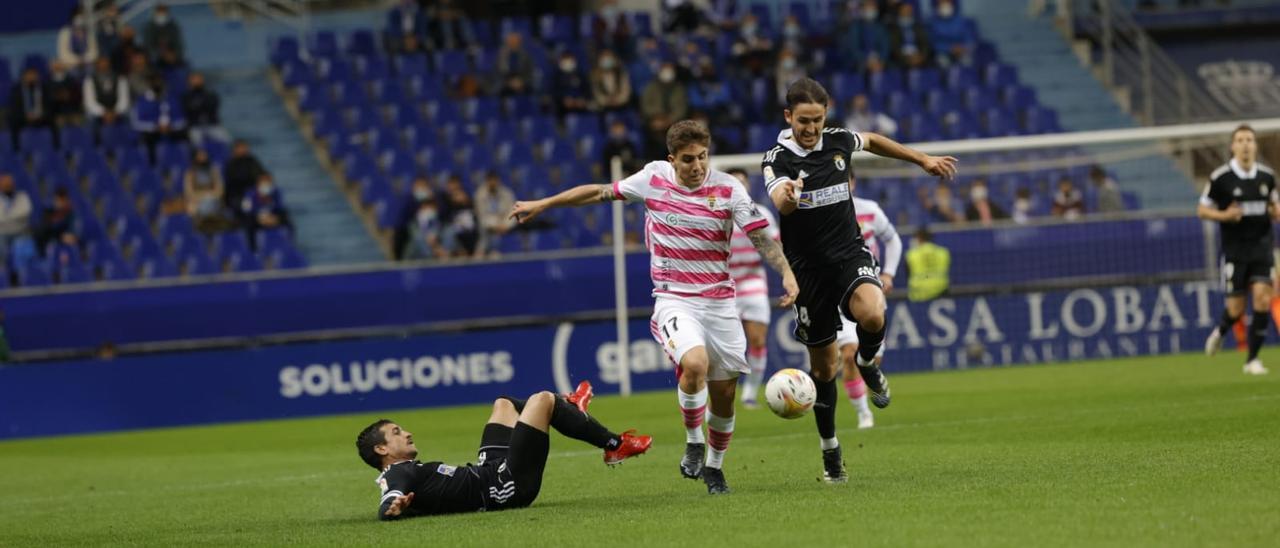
pixel 160 19
pixel 608 63
pixel 1022 205
pixel 978 193
pixel 906 21
pixel 421 194
pixel 748 28
pixel 870 14
pixel 788 63
pixel 792 30
pixel 667 75
pixel 426 214
pixel 568 65
pixel 265 188
pixel 946 10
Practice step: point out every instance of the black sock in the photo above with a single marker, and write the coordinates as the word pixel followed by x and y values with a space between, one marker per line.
pixel 824 408
pixel 868 343
pixel 1257 333
pixel 567 419
pixel 1224 325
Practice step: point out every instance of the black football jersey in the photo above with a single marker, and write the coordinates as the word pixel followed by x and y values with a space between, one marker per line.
pixel 438 488
pixel 819 232
pixel 1249 239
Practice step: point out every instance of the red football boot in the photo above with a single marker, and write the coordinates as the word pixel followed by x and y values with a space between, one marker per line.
pixel 632 445
pixel 581 397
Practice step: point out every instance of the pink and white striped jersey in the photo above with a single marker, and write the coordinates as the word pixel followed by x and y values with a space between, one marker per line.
pixel 746 267
pixel 879 233
pixel 688 230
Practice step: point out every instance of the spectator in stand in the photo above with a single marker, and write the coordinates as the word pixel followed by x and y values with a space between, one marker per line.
pixel 1068 203
pixel 264 209
pixel 860 36
pixel 162 33
pixel 406 19
pixel 30 103
pixel 157 116
pixel 108 26
pixel 786 73
pixel 16 247
pixel 448 25
pixel 64 90
pixel 752 47
pixel 204 191
pixel 792 35
pixel 515 66
pixel 494 201
pixel 942 208
pixel 709 95
pixel 126 47
pixel 139 75
pixel 200 105
pixel 862 118
pixel 458 219
pixel 909 39
pixel 980 207
pixel 77 45
pixel 106 95
pixel 929 265
pixel 58 224
pixel 420 193
pixel 569 87
pixel 681 16
pixel 620 145
pixel 954 37
pixel 240 175
pixel 610 84
pixel 1023 206
pixel 168 61
pixel 663 102
pixel 427 221
pixel 1109 198
pixel 409 44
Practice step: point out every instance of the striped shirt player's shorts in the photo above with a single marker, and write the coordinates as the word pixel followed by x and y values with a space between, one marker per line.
pixel 681 324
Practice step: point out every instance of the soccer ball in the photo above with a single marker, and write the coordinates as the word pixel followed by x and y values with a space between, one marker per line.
pixel 790 393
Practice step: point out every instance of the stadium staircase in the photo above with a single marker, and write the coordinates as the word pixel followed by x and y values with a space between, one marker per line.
pixel 328 229
pixel 1046 62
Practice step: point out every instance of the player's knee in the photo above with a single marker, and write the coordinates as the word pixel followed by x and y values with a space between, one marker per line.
pixel 503 405
pixel 874 320
pixel 756 341
pixel 543 398
pixel 848 353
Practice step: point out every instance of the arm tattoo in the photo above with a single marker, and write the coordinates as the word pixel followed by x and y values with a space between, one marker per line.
pixel 769 250
pixel 604 193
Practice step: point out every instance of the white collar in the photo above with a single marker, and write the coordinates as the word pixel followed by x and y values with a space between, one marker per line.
pixel 784 139
pixel 1241 173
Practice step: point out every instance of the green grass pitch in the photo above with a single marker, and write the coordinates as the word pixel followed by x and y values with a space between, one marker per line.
pixel 1154 451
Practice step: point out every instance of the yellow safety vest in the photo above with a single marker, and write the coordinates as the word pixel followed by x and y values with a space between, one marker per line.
pixel 930 266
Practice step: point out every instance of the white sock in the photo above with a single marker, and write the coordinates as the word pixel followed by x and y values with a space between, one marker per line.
pixel 860 403
pixel 758 363
pixel 694 409
pixel 721 431
pixel 830 443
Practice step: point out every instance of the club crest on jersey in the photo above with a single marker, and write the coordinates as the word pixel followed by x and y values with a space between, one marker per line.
pixel 711 202
pixel 840 165
pixel 1263 188
pixel 1237 192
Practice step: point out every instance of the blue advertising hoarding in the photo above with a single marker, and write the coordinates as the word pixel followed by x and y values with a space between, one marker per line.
pixel 475 367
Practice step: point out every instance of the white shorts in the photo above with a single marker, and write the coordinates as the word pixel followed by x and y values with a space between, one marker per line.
pixel 681 324
pixel 848 334
pixel 754 308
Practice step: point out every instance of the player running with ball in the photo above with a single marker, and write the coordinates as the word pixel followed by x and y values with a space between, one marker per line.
pixel 807 177
pixel 691 214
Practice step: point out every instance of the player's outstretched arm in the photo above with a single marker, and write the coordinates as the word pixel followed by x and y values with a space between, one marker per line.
pixel 771 252
pixel 938 166
pixel 786 196
pixel 394 506
pixel 576 196
pixel 1231 214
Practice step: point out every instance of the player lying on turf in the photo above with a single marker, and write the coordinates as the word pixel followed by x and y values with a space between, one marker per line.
pixel 692 210
pixel 508 470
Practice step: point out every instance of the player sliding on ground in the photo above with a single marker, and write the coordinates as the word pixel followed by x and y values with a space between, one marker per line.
pixel 1242 197
pixel 691 214
pixel 886 247
pixel 806 175
pixel 508 470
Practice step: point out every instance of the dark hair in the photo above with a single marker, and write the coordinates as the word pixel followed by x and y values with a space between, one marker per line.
pixel 1243 127
pixel 737 171
pixel 807 90
pixel 61 192
pixel 923 234
pixel 687 132
pixel 369 438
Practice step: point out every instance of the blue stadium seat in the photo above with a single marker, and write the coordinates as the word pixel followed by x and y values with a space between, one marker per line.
pixel 557 151
pixel 76 273
pixel 845 85
pixel 34 275
pixel 999 75
pixel 387 92
pixel 883 83
pixel 386 211
pixel 801 11
pixel 287 258
pixel 582 123
pixel 443 111
pixel 347 94
pixel 961 77
pixel 114 268
pixel 118 135
pixel 243 262
pixel 412 66
pixel 556 28
pixel 374 188
pixel 1016 97
pixel 452 63
pixel 399 163
pixel 363 43
pixel 35 139
pixel 295 73
pixel 157 267
pixel 481 110
pixel 521 106
pixel 283 49
pixel 436 158
pixel 175 226
pixel 511 152
pixel 75 138
pixel 312 98
pixel 323 44
pixel 538 129
pixel 920 81
pixel 193 263
pixel 521 25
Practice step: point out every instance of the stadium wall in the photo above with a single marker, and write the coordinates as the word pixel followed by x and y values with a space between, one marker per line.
pixel 474 367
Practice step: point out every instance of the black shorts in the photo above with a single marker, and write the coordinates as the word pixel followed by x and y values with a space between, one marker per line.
pixel 518 457
pixel 824 296
pixel 1239 274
